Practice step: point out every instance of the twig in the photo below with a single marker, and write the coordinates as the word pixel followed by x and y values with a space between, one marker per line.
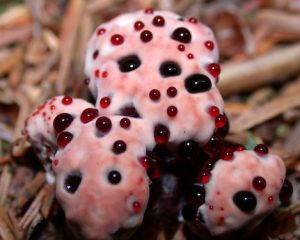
pixel 15 35
pixel 4 184
pixel 260 71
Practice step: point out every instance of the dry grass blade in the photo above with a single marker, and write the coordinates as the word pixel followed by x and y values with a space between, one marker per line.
pixel 4 184
pixel 6 227
pixel 32 210
pixel 48 200
pixel 265 69
pixel 30 189
pixel 15 35
pixel 257 115
pixel 15 17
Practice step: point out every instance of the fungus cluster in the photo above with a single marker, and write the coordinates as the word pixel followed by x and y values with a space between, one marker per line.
pixel 153 75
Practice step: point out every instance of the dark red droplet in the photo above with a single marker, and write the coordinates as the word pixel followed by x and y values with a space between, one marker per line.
pixel 138 25
pixel 220 121
pixel 213 111
pixel 103 124
pixel 154 170
pixel 214 69
pixel 261 149
pixel 117 39
pixel 259 183
pixel 55 162
pixel 145 162
pixel 172 111
pixel 146 36
pixel 240 148
pixel 100 31
pixel 193 20
pixel 95 54
pixel 62 121
pixel 213 146
pixel 172 92
pixel 86 81
pixel 104 102
pixel 149 11
pixel 64 138
pixel 125 122
pixel 181 47
pixel 136 206
pixel 227 154
pixel 190 56
pixel 97 73
pixel 161 134
pixel 88 115
pixel 154 95
pixel 182 34
pixel 286 191
pixel 67 100
pixel 119 147
pixel 204 176
pixel 210 45
pixel 271 199
pixel 158 21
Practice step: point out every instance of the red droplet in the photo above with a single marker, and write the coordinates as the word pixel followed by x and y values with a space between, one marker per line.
pixel 210 45
pixel 261 149
pixel 220 121
pixel 145 162
pixel 104 74
pixel 103 124
pixel 100 31
pixel 154 95
pixel 193 20
pixel 181 47
pixel 211 207
pixel 221 220
pixel 52 107
pixel 119 147
pixel 204 176
pixel 97 73
pixel 95 54
pixel 158 21
pixel 149 10
pixel 116 39
pixel 259 183
pixel 67 100
pixel 88 115
pixel 172 111
pixel 172 92
pixel 270 199
pixel 104 102
pixel 213 146
pixel 214 69
pixel 138 25
pixel 227 154
pixel 136 206
pixel 154 170
pixel 146 36
pixel 64 138
pixel 240 148
pixel 62 121
pixel 190 56
pixel 161 134
pixel 286 191
pixel 55 162
pixel 125 122
pixel 213 111
pixel 86 81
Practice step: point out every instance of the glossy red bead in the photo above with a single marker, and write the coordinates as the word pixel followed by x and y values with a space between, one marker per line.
pixel 125 122
pixel 172 92
pixel 116 39
pixel 138 25
pixel 181 47
pixel 55 162
pixel 146 36
pixel 119 147
pixel 97 73
pixel 104 124
pixel 240 148
pixel 259 183
pixel 149 11
pixel 136 206
pixel 193 20
pixel 145 162
pixel 154 171
pixel 204 176
pixel 261 149
pixel 62 121
pixel 161 134
pixel 154 95
pixel 172 111
pixel 88 115
pixel 67 100
pixel 104 102
pixel 209 45
pixel 104 74
pixel 101 31
pixel 86 81
pixel 227 154
pixel 214 69
pixel 190 56
pixel 220 121
pixel 158 21
pixel 213 111
pixel 64 138
pixel 95 54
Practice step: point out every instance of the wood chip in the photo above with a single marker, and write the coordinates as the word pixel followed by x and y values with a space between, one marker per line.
pixel 260 114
